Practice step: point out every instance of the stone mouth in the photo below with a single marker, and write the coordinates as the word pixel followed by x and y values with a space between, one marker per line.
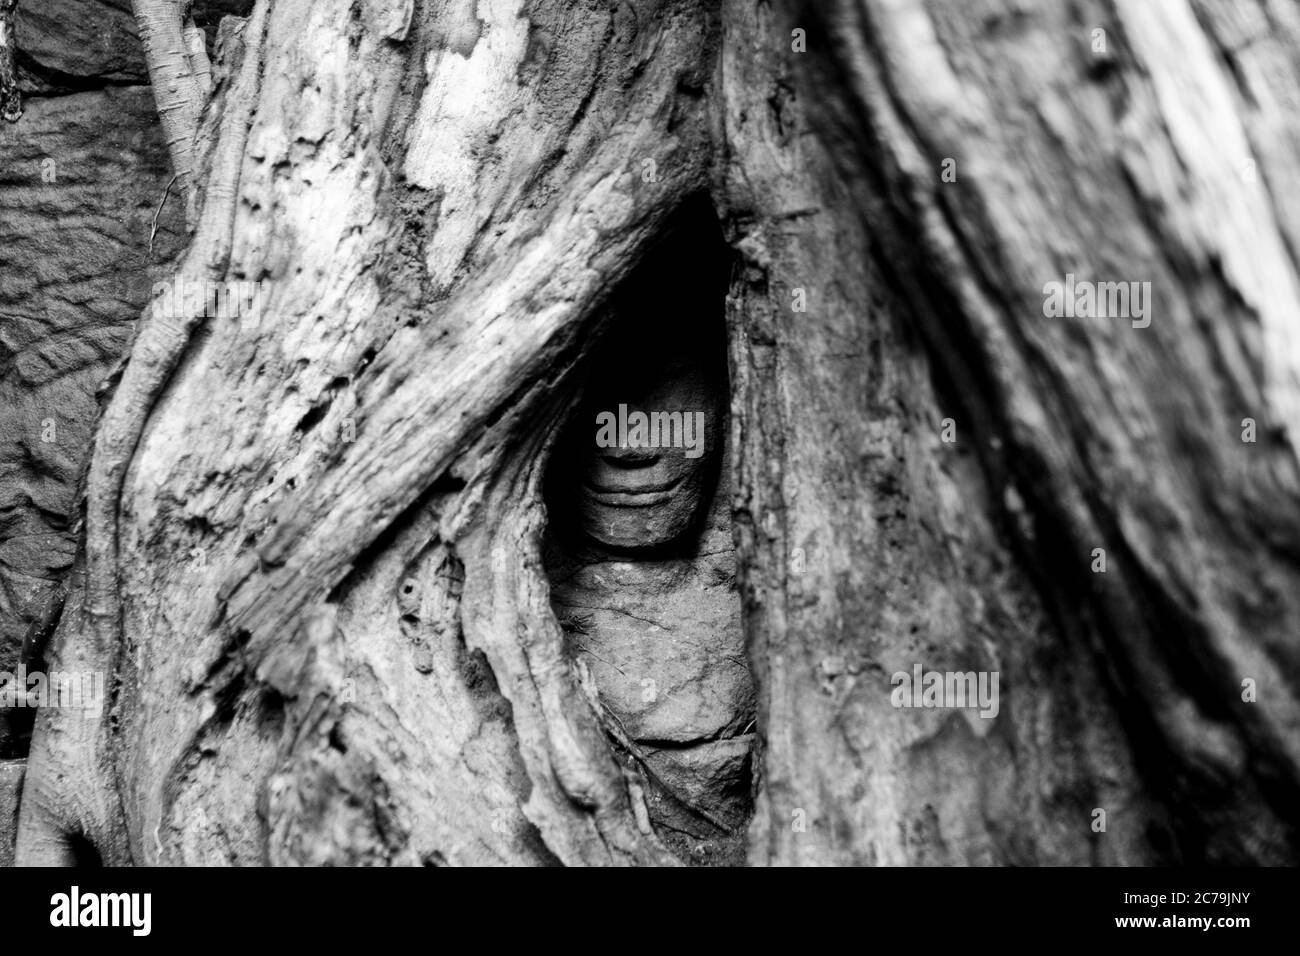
pixel 726 736
pixel 633 494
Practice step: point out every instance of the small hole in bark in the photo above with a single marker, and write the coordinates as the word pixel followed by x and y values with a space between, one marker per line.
pixel 447 484
pixel 336 739
pixel 313 417
pixel 83 852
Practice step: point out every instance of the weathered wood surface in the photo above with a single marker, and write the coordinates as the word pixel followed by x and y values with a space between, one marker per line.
pixel 1123 690
pixel 313 559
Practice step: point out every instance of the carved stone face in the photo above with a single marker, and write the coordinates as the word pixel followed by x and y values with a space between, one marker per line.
pixel 647 440
pixel 639 547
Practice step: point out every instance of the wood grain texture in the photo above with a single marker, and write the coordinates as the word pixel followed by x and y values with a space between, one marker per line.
pixel 1088 433
pixel 315 561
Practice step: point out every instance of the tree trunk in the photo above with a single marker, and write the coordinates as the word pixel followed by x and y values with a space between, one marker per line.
pixel 313 548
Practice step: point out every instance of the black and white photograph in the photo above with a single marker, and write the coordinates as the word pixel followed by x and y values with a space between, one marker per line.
pixel 839 434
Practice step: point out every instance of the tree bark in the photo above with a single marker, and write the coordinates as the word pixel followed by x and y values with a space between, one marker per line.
pixel 312 558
